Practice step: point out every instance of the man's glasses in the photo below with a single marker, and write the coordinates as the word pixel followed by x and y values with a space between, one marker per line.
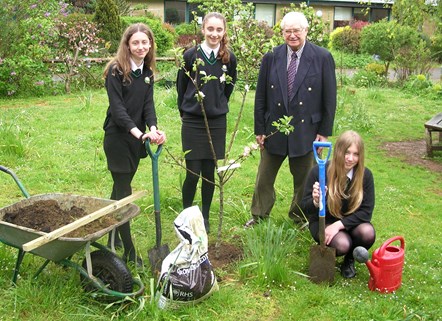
pixel 293 31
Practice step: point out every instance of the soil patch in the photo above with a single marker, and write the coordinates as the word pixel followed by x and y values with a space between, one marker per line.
pixel 227 253
pixel 414 153
pixel 47 216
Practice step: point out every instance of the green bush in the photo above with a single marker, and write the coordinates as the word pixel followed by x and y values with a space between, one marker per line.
pixel 108 20
pixel 25 77
pixel 417 82
pixel 345 39
pixel 377 68
pixel 436 47
pixel 386 38
pixel 164 39
pixel 367 79
pixel 187 29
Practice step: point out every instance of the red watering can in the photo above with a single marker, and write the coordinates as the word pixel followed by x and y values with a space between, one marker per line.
pixel 385 266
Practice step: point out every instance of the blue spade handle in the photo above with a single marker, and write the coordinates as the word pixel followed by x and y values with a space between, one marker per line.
pixel 321 164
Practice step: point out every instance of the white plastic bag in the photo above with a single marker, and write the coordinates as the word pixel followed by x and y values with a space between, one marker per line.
pixel 187 277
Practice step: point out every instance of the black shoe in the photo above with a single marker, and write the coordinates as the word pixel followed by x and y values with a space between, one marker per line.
pixel 348 270
pixel 207 226
pixel 131 258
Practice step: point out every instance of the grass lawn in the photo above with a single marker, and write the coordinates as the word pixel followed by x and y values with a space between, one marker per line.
pixel 54 145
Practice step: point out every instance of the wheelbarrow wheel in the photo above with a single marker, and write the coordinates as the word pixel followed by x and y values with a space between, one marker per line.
pixel 111 270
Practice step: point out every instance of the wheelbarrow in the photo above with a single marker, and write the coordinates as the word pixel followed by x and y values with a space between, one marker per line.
pixel 101 271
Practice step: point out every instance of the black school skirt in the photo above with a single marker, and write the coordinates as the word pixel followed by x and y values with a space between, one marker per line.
pixel 194 137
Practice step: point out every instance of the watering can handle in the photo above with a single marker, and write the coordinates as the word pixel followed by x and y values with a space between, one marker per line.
pixel 389 241
pixel 321 165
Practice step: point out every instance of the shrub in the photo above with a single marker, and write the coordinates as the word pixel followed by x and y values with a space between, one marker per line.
pixel 386 38
pixel 26 37
pixel 108 20
pixel 377 68
pixel 436 46
pixel 367 79
pixel 412 59
pixel 345 39
pixel 164 39
pixel 358 24
pixel 187 29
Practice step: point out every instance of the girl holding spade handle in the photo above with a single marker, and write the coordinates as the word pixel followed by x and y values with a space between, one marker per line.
pixel 350 201
pixel 129 79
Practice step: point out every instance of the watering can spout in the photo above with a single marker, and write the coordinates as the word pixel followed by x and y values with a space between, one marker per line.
pixel 373 269
pixel 361 255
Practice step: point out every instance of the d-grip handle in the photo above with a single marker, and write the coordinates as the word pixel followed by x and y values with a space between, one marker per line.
pixel 149 149
pixel 321 165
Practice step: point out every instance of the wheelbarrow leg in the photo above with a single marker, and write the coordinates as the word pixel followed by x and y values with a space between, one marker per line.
pixel 41 268
pixel 20 256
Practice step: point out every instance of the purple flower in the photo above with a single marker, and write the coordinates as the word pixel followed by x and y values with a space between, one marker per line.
pixel 40 83
pixel 33 6
pixel 47 14
pixel 13 73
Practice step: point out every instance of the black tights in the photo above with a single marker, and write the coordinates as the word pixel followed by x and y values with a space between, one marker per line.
pixel 121 189
pixel 205 168
pixel 345 241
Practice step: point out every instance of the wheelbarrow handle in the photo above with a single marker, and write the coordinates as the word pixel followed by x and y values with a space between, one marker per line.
pixel 17 181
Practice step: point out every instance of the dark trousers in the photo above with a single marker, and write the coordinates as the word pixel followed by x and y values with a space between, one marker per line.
pixel 264 195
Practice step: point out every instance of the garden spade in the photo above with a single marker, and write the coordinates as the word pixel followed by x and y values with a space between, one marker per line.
pixel 322 257
pixel 160 251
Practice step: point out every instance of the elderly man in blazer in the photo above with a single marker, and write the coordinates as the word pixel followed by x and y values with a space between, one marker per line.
pixel 310 99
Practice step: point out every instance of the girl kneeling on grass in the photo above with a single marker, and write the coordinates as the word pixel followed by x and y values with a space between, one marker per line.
pixel 350 201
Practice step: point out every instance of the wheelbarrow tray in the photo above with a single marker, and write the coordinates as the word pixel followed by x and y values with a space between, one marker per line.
pixel 63 247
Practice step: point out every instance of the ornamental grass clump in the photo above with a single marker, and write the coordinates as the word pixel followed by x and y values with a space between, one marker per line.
pixel 267 250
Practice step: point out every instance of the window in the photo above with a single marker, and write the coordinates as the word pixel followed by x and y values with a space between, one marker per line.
pixel 379 14
pixel 360 14
pixel 174 12
pixel 343 16
pixel 265 12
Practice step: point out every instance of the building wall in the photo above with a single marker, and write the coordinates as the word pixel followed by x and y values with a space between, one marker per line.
pixel 155 7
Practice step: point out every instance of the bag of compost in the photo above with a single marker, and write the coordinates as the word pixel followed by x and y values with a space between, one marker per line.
pixel 187 277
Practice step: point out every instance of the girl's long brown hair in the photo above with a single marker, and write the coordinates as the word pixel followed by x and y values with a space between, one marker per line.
pixel 121 62
pixel 223 52
pixel 337 176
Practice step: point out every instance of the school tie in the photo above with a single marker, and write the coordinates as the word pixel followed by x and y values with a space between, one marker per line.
pixel 291 72
pixel 212 57
pixel 137 72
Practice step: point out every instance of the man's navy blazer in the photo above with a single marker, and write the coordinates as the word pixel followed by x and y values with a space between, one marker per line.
pixel 312 106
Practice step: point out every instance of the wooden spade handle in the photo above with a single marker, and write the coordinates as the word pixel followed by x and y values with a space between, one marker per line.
pixel 42 240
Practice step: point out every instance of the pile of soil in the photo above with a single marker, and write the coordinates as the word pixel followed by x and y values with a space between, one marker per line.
pixel 47 216
pixel 227 253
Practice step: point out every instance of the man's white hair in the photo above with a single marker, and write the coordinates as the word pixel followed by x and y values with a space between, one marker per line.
pixel 294 16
